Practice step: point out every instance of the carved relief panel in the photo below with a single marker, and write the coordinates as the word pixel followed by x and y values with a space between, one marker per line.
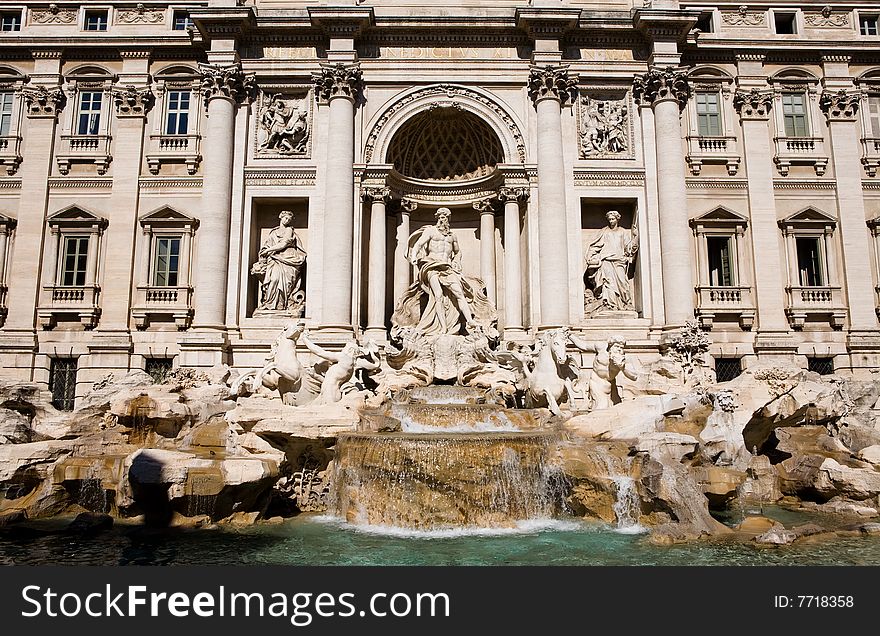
pixel 284 122
pixel 604 125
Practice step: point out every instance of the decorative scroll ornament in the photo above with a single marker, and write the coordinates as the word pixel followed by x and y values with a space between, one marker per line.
pixel 42 101
pixel 840 105
pixel 827 18
pixel 743 17
pixel 507 193
pixel 284 123
pixel 338 80
pixel 602 127
pixel 552 82
pixel 368 195
pixel 132 101
pixel 660 84
pixel 226 81
pixel 53 15
pixel 141 15
pixel 753 104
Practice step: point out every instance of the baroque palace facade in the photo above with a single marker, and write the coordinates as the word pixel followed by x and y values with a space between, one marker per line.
pixel 181 180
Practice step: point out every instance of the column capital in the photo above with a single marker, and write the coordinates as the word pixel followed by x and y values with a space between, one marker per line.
pixel 43 101
pixel 132 101
pixel 662 84
pixel 552 82
pixel 371 194
pixel 840 105
pixel 338 80
pixel 228 82
pixel 508 193
pixel 408 205
pixel 484 206
pixel 753 104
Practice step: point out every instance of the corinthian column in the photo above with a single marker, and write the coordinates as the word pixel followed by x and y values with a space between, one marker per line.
pixel 487 246
pixel 223 88
pixel 378 199
pixel 840 108
pixel 402 267
pixel 339 85
pixel 666 91
pixel 551 87
pixel 512 261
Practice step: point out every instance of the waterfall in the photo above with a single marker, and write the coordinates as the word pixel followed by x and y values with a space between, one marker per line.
pixel 436 481
pixel 627 506
pixel 92 494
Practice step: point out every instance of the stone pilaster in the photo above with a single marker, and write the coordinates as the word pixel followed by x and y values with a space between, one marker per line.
pixel 512 197
pixel 551 87
pixel 666 91
pixel 223 88
pixel 486 208
pixel 754 107
pixel 378 199
pixel 841 109
pixel 402 267
pixel 340 86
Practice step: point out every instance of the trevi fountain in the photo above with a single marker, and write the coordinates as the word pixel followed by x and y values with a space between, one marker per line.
pixel 447 445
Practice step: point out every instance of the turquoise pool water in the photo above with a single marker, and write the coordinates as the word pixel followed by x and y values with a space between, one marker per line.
pixel 318 540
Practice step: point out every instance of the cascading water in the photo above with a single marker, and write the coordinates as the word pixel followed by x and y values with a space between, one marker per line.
pixel 432 475
pixel 627 506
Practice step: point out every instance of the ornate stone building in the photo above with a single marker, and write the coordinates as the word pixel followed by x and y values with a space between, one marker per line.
pixel 150 149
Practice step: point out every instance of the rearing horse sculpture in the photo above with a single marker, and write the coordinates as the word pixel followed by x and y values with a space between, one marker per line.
pixel 550 377
pixel 282 371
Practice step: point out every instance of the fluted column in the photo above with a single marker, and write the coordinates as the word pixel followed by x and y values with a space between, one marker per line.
pixel 402 267
pixel 754 111
pixel 223 88
pixel 339 85
pixel 486 209
pixel 551 87
pixel 512 259
pixel 666 91
pixel 378 199
pixel 840 108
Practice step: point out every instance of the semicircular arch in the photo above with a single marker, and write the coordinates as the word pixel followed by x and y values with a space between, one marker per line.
pixel 402 107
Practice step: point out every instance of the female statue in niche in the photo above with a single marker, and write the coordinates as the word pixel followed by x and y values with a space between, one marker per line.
pixel 279 268
pixel 608 259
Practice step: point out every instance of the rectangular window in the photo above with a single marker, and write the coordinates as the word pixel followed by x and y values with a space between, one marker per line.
pixel 89 113
pixel 5 113
pixel 62 383
pixel 726 369
pixel 177 122
pixel 868 24
pixel 166 262
pixel 75 255
pixel 874 115
pixel 708 114
pixel 786 23
pixel 823 365
pixel 704 23
pixel 809 257
pixel 794 111
pixel 96 21
pixel 182 21
pixel 720 265
pixel 10 21
pixel 158 368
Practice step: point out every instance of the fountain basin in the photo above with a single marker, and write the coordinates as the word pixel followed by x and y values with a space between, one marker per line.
pixel 448 480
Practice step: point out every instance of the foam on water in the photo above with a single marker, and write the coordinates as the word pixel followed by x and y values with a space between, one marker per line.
pixel 523 527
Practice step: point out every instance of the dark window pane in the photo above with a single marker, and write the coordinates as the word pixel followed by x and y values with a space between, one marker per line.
pixel 726 369
pixel 820 365
pixel 62 382
pixel 809 262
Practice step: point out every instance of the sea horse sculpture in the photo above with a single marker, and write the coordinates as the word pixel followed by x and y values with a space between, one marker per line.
pixel 282 371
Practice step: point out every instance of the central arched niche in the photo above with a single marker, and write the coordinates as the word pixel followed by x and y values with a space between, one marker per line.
pixel 445 143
